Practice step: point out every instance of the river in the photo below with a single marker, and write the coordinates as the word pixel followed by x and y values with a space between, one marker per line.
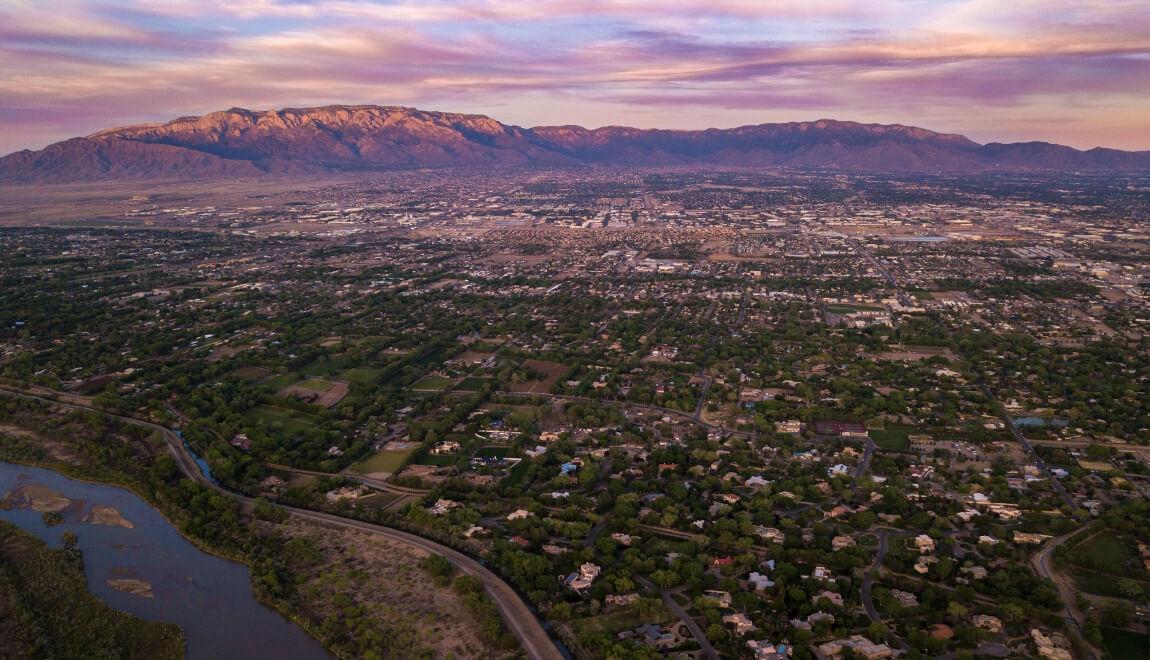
pixel 210 598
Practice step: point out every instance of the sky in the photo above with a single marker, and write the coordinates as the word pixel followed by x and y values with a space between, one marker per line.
pixel 1075 72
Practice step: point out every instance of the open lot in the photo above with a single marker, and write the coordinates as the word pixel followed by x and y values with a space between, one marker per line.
pixel 553 372
pixel 383 463
pixel 433 384
pixel 321 392
pixel 288 421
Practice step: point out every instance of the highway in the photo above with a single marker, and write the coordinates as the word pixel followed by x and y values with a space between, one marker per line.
pixel 518 617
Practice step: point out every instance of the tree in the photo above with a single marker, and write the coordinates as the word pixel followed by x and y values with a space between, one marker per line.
pixel 1130 588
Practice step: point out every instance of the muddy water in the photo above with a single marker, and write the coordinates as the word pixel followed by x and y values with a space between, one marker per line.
pixel 136 561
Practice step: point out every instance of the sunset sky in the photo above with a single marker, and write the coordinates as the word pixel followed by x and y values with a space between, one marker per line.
pixel 1075 72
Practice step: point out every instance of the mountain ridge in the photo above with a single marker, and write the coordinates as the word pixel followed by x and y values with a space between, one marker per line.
pixel 348 138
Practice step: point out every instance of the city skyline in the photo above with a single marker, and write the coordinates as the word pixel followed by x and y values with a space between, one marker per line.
pixel 1073 73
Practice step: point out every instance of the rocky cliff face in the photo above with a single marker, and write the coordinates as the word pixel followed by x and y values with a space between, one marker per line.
pixel 243 143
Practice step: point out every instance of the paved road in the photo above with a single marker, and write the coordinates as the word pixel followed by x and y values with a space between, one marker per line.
pixel 1025 442
pixel 708 651
pixel 516 614
pixel 367 481
pixel 868 583
pixel 1043 565
pixel 864 465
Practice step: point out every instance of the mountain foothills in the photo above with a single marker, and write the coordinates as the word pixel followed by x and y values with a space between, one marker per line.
pixel 242 143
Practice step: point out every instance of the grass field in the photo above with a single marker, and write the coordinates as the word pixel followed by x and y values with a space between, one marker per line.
pixel 1103 549
pixel 379 500
pixel 619 620
pixel 515 475
pixel 316 385
pixel 279 381
pixel 472 384
pixel 250 373
pixel 893 437
pixel 1096 466
pixel 848 309
pixel 440 460
pixel 382 461
pixel 291 421
pixel 361 375
pixel 1125 644
pixel 433 384
pixel 493 452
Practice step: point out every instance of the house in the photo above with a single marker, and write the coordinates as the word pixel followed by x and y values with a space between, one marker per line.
pixel 987 622
pixel 924 544
pixel 741 623
pixel 765 650
pixel 789 426
pixel 823 574
pixel 442 506
pixel 840 542
pixel 624 539
pixel 760 581
pixel 904 598
pixel 622 600
pixel 812 619
pixel 756 482
pixel 241 441
pixel 1049 647
pixel 723 561
pixel 519 514
pixel 769 534
pixel 581 581
pixel 652 634
pixel 445 447
pixel 975 572
pixel 1027 537
pixel 273 484
pixel 721 598
pixel 838 470
pixel 834 598
pixel 346 493
pixel 858 645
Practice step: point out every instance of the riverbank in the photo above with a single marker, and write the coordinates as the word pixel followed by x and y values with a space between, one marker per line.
pixel 279 574
pixel 46 609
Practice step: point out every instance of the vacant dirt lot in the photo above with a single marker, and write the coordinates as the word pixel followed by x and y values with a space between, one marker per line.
pixel 386 579
pixel 325 393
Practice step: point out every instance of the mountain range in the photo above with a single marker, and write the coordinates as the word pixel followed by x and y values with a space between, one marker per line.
pixel 307 141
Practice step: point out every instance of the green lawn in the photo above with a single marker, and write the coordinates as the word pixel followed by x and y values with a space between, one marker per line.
pixel 379 500
pixel 1103 550
pixel 279 381
pixel 472 384
pixel 619 620
pixel 361 375
pixel 893 438
pixel 383 461
pixel 515 475
pixel 316 385
pixel 493 452
pixel 433 383
pixel 291 421
pixel 1125 644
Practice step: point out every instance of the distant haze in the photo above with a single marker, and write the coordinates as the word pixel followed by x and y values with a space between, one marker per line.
pixel 1074 72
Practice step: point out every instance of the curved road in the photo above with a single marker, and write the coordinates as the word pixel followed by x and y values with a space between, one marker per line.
pixel 516 614
pixel 1042 565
